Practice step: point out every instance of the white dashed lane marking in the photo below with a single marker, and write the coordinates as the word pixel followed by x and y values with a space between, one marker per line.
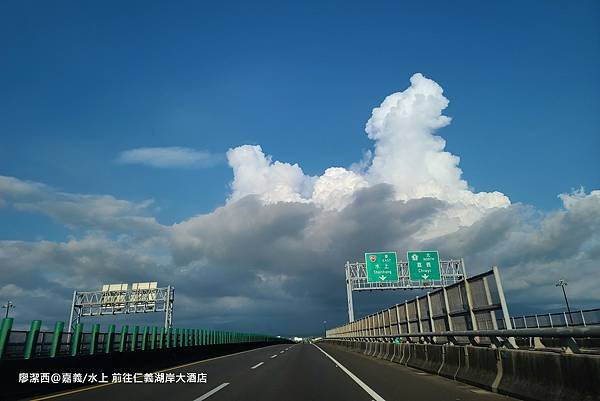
pixel 211 392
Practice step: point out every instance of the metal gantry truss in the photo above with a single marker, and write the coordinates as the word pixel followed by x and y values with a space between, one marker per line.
pixel 119 302
pixel 451 271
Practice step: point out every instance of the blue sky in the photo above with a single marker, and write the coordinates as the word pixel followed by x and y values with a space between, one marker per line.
pixel 83 82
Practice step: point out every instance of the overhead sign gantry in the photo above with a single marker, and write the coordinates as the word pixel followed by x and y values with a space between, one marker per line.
pixel 382 271
pixel 118 299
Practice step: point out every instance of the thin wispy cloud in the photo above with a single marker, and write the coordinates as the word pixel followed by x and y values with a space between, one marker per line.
pixel 170 157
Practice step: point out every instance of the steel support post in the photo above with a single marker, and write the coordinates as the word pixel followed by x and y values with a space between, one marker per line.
pixel 407 316
pixel 470 306
pixel 418 307
pixel 349 293
pixel 447 307
pixel 498 281
pixel 398 319
pixel 511 340
pixel 430 310
pixel 488 297
pixel 70 328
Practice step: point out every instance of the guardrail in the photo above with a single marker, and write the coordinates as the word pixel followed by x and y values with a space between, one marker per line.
pixel 493 338
pixel 19 344
pixel 586 317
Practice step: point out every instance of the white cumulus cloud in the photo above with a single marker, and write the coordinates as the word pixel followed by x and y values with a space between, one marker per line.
pixel 256 174
pixel 407 154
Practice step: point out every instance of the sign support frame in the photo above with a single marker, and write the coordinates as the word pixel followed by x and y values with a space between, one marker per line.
pixel 451 271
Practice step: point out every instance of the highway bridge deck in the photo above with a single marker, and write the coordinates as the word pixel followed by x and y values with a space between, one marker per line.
pixel 291 372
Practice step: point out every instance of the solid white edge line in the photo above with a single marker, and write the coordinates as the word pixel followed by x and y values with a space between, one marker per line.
pixel 211 392
pixel 362 384
pixel 257 365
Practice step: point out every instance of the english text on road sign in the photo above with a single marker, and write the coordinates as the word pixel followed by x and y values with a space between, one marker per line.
pixel 423 265
pixel 381 267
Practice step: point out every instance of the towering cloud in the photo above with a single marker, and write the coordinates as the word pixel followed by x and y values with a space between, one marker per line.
pixel 407 155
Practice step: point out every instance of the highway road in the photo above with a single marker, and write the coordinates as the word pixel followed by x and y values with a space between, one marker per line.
pixel 303 372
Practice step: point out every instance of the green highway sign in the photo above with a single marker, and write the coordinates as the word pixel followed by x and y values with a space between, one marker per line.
pixel 381 267
pixel 423 265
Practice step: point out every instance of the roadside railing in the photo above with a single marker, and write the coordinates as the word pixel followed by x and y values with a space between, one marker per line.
pixel 536 338
pixel 19 344
pixel 586 317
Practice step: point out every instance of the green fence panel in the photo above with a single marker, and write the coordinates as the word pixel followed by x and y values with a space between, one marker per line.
pixel 32 338
pixel 134 337
pixel 153 338
pixel 161 338
pixel 94 339
pixel 180 337
pixel 145 338
pixel 123 342
pixel 76 339
pixel 5 333
pixel 56 337
pixel 186 337
pixel 109 339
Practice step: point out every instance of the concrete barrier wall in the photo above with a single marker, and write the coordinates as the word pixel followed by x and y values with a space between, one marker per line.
pixel 540 375
pixel 454 358
pixel 530 375
pixel 480 367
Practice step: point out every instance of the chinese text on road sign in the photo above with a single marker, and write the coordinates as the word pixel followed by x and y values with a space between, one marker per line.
pixel 423 266
pixel 381 267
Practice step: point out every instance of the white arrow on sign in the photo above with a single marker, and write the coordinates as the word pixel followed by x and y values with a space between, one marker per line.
pixel 382 277
pixel 425 276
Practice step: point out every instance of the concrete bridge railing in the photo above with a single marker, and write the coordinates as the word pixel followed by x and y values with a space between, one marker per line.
pixel 555 368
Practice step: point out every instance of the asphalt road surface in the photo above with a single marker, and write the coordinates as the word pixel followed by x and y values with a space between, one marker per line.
pixel 302 372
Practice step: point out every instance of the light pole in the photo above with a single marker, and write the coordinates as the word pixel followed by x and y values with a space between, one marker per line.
pixel 8 305
pixel 562 284
pixel 325 327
